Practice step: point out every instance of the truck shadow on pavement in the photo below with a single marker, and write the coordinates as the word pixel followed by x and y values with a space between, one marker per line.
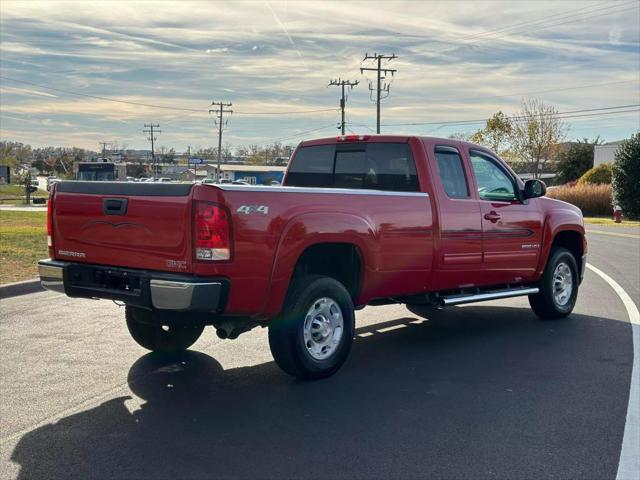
pixel 496 395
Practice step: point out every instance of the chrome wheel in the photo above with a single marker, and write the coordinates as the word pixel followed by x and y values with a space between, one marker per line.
pixel 323 328
pixel 562 284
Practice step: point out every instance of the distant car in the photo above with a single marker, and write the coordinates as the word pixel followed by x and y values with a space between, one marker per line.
pixel 224 180
pixel 240 182
pixel 131 179
pixel 164 180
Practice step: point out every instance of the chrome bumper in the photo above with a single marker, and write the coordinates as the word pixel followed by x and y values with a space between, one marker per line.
pixel 142 288
pixel 51 277
pixel 172 295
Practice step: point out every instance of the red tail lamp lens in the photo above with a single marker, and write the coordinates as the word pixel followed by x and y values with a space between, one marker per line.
pixel 212 238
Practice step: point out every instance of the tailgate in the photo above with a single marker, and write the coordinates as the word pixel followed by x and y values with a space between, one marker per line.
pixel 134 225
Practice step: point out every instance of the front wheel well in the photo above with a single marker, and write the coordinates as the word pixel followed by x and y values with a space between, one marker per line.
pixel 340 261
pixel 572 241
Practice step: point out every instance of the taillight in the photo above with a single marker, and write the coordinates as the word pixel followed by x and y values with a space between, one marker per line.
pixel 50 225
pixel 211 232
pixel 352 138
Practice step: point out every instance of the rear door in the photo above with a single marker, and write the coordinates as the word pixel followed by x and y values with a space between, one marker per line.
pixel 459 243
pixel 512 229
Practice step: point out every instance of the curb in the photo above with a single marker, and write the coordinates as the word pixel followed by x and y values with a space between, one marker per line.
pixel 20 288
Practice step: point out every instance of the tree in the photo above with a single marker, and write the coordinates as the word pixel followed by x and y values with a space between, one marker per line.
pixel 537 131
pixel 575 161
pixel 496 133
pixel 626 176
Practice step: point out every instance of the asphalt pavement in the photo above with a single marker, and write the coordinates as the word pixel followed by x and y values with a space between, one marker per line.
pixel 479 391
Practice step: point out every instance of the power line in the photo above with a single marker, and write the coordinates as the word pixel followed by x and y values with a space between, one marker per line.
pixel 541 23
pixel 149 128
pixel 547 19
pixel 380 76
pixel 343 99
pixel 532 93
pixel 300 134
pixel 295 112
pixel 164 107
pixel 567 114
pixel 221 124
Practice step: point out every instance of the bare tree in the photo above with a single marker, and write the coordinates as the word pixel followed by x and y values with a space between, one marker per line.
pixel 537 131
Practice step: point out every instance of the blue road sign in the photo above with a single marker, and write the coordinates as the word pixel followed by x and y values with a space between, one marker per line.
pixel 195 161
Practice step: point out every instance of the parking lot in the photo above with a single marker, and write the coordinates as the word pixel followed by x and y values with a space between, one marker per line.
pixel 480 391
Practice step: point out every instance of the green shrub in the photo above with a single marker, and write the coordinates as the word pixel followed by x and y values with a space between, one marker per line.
pixel 593 200
pixel 597 175
pixel 575 161
pixel 626 176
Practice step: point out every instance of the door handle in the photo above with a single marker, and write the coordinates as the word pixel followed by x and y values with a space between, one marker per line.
pixel 114 206
pixel 493 217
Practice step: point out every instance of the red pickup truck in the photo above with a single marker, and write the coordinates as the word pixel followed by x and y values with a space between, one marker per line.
pixel 359 220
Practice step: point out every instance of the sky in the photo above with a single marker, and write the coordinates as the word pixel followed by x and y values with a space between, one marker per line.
pixel 80 73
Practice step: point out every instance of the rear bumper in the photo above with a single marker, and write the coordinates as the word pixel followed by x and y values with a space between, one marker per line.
pixel 142 288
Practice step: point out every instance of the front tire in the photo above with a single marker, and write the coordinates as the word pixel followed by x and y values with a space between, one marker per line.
pixel 558 286
pixel 157 337
pixel 313 336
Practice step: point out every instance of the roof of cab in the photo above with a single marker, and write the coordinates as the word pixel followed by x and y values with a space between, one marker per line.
pixel 373 138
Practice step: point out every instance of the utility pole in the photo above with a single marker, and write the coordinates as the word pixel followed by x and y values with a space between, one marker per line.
pixel 343 99
pixel 104 150
pixel 381 74
pixel 219 114
pixel 151 129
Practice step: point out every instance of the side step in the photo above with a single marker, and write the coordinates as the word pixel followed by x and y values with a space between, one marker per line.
pixel 491 295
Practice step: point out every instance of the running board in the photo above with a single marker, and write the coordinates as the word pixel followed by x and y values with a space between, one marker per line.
pixel 481 297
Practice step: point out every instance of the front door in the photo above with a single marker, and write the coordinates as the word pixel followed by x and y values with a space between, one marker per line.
pixel 511 229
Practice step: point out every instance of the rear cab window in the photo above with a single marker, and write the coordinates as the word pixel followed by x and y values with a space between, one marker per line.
pixel 375 166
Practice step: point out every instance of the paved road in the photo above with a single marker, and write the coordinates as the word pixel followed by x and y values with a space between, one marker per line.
pixel 480 391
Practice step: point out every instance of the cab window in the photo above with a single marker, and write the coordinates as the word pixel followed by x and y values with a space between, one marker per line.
pixel 451 172
pixel 494 183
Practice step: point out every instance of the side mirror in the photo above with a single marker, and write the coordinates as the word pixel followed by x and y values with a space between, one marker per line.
pixel 534 189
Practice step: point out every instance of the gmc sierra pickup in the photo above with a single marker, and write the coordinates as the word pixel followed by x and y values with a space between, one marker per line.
pixel 359 220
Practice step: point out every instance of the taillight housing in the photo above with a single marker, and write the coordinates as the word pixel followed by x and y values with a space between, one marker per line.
pixel 50 225
pixel 211 232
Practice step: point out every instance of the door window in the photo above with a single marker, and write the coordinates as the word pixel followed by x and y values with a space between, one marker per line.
pixel 451 172
pixel 494 183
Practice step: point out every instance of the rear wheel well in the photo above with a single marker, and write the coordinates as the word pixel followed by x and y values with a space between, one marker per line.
pixel 340 261
pixel 572 241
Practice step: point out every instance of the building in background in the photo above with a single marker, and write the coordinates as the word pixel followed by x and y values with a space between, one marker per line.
pixel 253 174
pixel 605 153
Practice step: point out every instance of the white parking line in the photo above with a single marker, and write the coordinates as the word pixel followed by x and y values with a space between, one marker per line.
pixel 629 464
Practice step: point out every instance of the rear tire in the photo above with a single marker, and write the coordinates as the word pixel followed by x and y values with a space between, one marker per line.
pixel 558 286
pixel 157 337
pixel 312 337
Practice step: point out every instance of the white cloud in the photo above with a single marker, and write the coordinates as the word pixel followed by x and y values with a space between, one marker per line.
pixel 280 56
